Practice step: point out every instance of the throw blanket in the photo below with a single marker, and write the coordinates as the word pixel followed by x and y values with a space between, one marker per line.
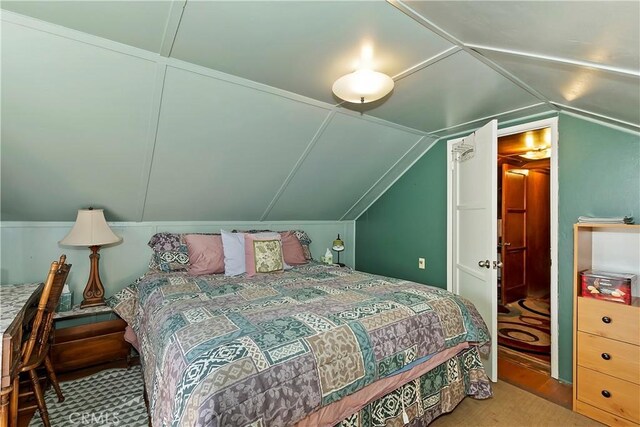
pixel 272 349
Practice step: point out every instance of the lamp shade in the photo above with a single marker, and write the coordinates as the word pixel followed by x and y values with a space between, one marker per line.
pixel 338 244
pixel 90 229
pixel 362 86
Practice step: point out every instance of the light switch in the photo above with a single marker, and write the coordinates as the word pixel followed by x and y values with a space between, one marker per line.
pixel 422 264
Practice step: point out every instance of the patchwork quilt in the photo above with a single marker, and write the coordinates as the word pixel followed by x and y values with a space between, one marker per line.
pixel 271 349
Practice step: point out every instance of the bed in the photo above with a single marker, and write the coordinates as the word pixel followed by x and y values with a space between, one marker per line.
pixel 314 345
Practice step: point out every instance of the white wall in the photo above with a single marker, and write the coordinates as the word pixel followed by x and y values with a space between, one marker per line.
pixel 27 248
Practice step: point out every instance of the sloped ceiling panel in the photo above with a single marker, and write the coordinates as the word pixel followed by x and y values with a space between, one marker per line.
pixel 223 150
pixel 541 110
pixel 136 23
pixel 387 180
pixel 610 94
pixel 301 46
pixel 74 126
pixel 346 161
pixel 603 32
pixel 454 90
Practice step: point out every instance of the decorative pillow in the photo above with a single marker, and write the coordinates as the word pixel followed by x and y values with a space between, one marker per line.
pixel 305 241
pixel 206 254
pixel 234 258
pixel 171 254
pixel 161 242
pixel 303 237
pixel 292 249
pixel 307 252
pixel 263 253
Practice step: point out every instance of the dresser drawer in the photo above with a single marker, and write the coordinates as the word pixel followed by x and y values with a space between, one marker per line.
pixel 610 357
pixel 623 395
pixel 609 319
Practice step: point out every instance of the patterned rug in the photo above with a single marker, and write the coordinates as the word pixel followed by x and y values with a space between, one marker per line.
pixel 526 327
pixel 109 398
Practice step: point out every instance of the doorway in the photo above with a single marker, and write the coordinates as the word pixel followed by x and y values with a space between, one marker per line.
pixel 524 249
pixel 472 192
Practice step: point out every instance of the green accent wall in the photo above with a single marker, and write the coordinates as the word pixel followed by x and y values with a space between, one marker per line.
pixel 599 175
pixel 408 222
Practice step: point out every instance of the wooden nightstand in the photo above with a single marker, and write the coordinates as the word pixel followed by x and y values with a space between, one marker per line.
pixel 80 344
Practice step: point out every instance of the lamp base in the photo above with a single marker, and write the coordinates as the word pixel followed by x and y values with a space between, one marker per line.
pixel 93 294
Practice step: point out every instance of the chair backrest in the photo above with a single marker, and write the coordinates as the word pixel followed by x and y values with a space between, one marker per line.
pixel 43 319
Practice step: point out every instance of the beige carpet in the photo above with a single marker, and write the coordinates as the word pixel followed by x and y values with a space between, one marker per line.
pixel 513 407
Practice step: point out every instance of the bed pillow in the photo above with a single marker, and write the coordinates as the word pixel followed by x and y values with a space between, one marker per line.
pixel 263 253
pixel 206 254
pixel 305 241
pixel 169 251
pixel 292 249
pixel 234 258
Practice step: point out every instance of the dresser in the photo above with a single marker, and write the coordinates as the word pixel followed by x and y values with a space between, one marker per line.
pixel 606 369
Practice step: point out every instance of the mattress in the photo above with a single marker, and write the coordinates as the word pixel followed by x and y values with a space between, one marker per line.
pixel 274 349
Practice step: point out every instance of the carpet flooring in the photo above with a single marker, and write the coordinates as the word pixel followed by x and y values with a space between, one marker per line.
pixel 111 398
pixel 511 407
pixel 114 398
pixel 526 327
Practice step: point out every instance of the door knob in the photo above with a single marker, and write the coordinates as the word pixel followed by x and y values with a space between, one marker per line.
pixel 497 265
pixel 485 264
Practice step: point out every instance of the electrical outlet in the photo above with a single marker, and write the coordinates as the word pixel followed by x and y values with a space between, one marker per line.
pixel 422 263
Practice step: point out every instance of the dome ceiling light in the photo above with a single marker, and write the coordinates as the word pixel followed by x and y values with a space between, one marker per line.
pixel 363 85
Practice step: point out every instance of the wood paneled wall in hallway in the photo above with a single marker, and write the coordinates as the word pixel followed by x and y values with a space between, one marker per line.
pixel 538 233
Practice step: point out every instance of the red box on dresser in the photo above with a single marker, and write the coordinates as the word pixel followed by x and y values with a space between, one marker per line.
pixel 608 286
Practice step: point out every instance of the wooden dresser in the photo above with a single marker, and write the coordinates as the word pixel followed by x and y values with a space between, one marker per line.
pixel 606 372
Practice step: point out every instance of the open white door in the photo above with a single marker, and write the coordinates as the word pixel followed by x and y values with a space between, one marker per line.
pixel 472 225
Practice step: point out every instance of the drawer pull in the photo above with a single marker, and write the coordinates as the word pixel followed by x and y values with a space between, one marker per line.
pixel 606 393
pixel 606 319
pixel 606 356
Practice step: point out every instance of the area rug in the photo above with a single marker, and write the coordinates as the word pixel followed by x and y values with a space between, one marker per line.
pixel 110 398
pixel 526 327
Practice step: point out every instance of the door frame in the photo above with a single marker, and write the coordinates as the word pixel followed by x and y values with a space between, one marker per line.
pixel 551 123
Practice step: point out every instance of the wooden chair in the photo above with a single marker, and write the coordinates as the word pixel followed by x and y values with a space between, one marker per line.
pixel 35 349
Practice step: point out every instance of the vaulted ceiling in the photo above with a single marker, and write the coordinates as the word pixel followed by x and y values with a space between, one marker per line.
pixel 222 110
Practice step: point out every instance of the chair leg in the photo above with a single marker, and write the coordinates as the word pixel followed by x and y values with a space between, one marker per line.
pixel 13 404
pixel 42 406
pixel 53 378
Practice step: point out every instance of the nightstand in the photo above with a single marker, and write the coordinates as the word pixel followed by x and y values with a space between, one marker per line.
pixel 88 337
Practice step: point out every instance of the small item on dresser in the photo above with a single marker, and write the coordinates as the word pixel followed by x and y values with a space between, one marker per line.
pixel 328 257
pixel 608 286
pixel 66 300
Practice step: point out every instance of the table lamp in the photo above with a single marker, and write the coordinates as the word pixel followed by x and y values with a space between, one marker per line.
pixel 338 246
pixel 91 230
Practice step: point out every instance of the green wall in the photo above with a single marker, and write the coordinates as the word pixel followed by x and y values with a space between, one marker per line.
pixel 409 221
pixel 599 174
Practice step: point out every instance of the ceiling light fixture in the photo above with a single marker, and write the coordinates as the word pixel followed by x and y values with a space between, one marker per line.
pixel 540 153
pixel 363 85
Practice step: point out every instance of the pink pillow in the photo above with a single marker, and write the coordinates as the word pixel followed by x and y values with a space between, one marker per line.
pixel 292 249
pixel 269 259
pixel 206 255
